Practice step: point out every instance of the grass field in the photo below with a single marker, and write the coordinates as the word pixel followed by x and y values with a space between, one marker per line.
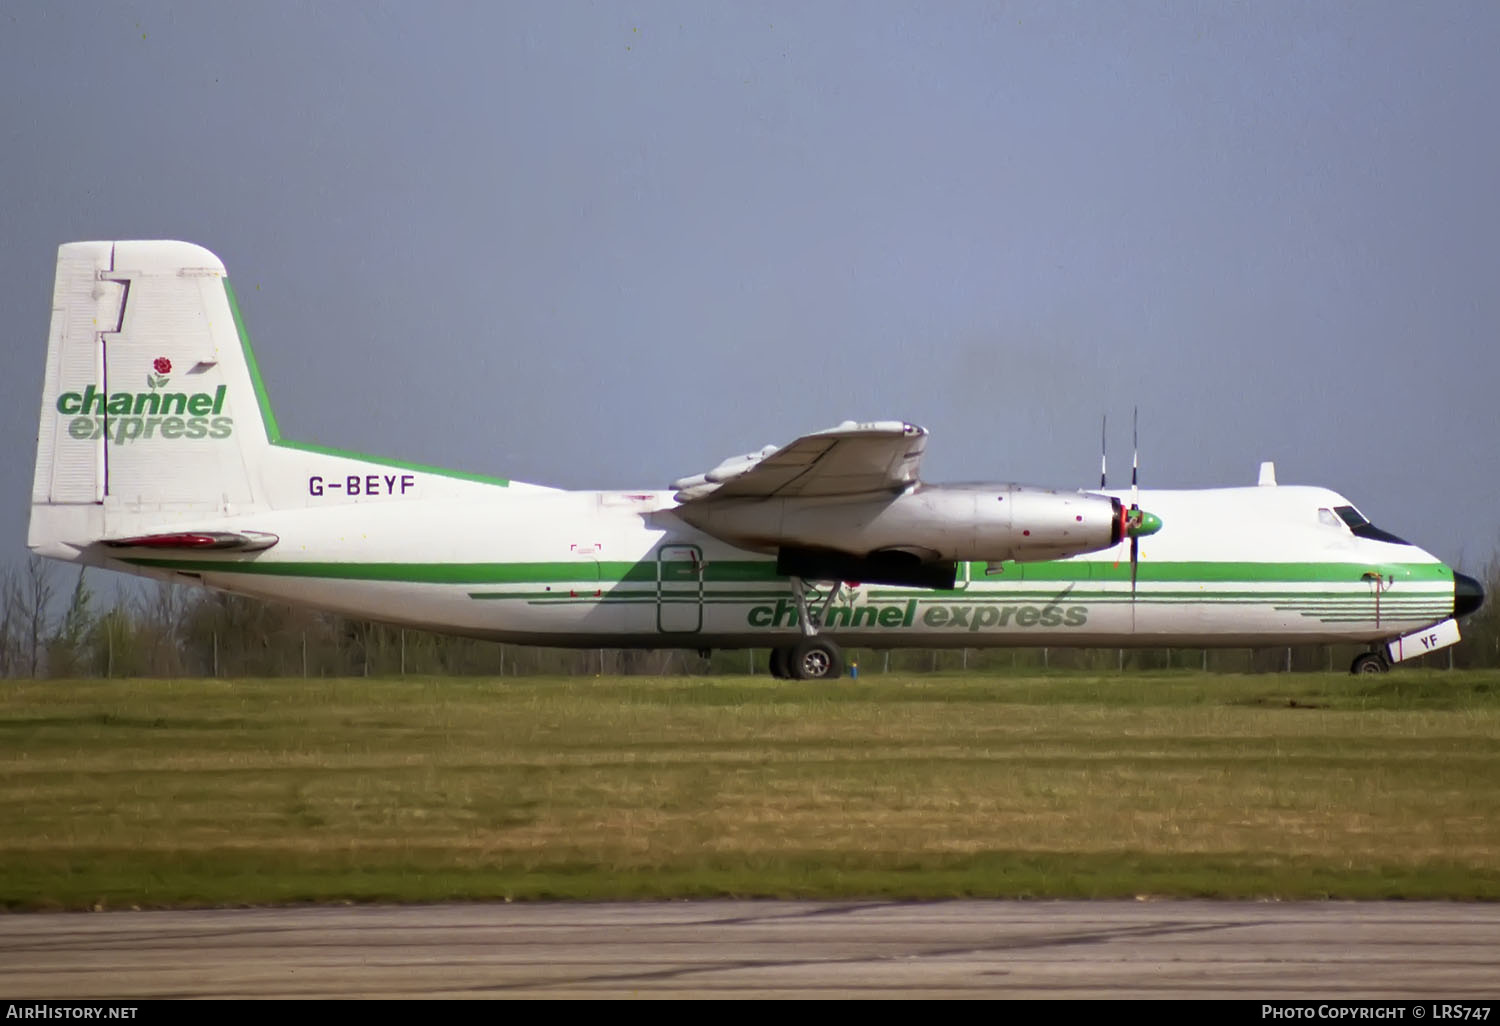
pixel 211 792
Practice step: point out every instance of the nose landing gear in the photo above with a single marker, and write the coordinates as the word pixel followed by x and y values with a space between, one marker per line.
pixel 1370 662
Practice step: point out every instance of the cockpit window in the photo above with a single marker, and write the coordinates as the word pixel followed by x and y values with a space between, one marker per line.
pixel 1327 519
pixel 1362 528
pixel 1351 516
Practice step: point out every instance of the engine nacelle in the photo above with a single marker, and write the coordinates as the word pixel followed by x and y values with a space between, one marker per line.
pixel 1039 523
pixel 934 523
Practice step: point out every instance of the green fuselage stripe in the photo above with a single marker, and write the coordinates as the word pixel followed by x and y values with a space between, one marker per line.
pixel 1195 570
pixel 1088 575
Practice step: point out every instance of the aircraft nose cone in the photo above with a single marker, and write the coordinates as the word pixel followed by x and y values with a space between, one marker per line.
pixel 1468 595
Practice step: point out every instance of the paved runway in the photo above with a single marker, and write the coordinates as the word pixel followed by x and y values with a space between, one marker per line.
pixel 764 948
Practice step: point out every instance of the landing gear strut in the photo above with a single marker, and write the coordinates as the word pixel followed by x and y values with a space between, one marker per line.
pixel 1370 662
pixel 814 657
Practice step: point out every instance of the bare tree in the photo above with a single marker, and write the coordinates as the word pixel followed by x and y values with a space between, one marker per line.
pixel 161 620
pixel 35 598
pixel 67 649
pixel 11 647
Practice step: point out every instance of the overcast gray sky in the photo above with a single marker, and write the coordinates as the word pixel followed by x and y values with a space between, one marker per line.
pixel 611 244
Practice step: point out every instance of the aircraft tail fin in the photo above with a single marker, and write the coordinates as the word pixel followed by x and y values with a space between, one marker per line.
pixel 148 404
pixel 154 420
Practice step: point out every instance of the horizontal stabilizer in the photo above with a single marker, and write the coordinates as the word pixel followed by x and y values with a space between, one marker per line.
pixel 237 541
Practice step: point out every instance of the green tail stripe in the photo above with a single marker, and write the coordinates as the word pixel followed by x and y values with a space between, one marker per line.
pixel 273 431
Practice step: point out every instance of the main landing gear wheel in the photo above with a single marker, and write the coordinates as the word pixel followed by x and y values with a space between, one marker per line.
pixel 781 663
pixel 814 657
pixel 1369 662
pixel 817 659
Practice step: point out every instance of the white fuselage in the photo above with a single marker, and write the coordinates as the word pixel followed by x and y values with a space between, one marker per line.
pixel 1234 566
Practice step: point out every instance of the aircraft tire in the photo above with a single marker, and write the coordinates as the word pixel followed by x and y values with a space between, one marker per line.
pixel 817 659
pixel 781 662
pixel 1369 662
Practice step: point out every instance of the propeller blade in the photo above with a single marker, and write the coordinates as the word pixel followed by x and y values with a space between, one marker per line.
pixel 1135 506
pixel 1135 562
pixel 1135 459
pixel 1134 521
pixel 1103 449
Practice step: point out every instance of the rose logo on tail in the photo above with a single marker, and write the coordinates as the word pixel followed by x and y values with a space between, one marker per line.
pixel 160 367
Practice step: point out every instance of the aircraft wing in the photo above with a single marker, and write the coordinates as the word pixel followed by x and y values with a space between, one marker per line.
pixel 851 459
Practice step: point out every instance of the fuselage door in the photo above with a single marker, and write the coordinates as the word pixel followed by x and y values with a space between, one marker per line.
pixel 585 582
pixel 679 589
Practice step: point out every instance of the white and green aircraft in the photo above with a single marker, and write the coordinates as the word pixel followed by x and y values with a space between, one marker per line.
pixel 158 454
